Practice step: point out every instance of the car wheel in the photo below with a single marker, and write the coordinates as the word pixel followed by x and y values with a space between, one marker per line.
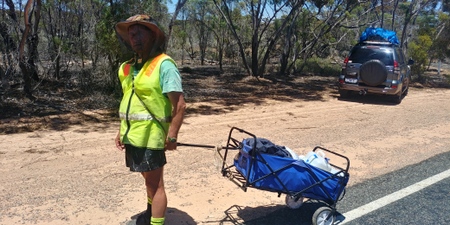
pixel 398 98
pixel 405 92
pixel 373 72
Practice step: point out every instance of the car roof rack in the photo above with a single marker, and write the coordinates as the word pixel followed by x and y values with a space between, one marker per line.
pixel 378 42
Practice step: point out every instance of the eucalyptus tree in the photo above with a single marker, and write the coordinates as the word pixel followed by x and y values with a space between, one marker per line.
pixel 19 32
pixel 261 15
pixel 30 38
pixel 430 41
pixel 9 44
pixel 411 10
pixel 179 35
pixel 223 41
pixel 187 34
pixel 441 40
pixel 62 23
pixel 317 29
pixel 199 15
pixel 178 7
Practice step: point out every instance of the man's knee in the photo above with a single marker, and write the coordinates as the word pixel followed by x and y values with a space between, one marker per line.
pixel 153 179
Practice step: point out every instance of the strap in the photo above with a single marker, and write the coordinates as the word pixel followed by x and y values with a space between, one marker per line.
pixel 148 110
pixel 148 73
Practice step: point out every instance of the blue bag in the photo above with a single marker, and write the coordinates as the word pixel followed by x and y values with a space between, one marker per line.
pixel 379 33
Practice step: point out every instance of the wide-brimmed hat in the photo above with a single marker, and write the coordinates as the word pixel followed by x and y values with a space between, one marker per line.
pixel 145 20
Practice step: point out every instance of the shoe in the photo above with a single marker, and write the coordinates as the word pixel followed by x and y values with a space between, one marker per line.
pixel 143 219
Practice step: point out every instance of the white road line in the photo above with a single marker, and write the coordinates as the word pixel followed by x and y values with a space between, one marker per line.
pixel 370 207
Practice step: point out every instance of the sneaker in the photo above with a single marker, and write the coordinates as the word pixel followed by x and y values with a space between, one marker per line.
pixel 143 219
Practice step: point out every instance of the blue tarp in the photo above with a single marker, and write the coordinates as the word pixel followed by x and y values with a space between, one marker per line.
pixel 376 33
pixel 274 173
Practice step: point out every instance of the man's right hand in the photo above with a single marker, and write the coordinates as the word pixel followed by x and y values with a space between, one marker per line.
pixel 119 144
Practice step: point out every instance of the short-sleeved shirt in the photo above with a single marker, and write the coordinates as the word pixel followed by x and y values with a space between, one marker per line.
pixel 170 78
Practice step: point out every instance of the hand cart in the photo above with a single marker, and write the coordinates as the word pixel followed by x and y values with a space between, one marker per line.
pixel 251 168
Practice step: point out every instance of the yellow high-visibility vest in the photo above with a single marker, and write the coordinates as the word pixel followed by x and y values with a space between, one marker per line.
pixel 141 94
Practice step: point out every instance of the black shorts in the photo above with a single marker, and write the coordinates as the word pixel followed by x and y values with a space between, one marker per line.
pixel 143 159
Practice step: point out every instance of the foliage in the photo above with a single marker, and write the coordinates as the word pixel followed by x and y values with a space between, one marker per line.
pixel 321 66
pixel 419 52
pixel 77 42
pixel 441 43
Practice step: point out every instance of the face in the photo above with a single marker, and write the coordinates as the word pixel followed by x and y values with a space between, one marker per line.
pixel 141 39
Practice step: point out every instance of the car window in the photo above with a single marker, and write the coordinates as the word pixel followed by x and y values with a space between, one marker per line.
pixel 399 57
pixel 366 53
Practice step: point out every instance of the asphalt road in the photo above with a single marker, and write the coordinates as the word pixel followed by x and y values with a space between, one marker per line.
pixel 429 205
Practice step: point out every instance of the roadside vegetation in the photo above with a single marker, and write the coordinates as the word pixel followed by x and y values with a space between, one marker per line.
pixel 62 56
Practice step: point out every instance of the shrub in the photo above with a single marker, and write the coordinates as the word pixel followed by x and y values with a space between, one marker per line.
pixel 418 50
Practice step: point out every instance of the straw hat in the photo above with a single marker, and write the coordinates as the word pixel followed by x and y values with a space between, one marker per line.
pixel 145 20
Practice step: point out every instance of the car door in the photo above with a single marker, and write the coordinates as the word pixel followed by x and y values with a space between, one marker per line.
pixel 404 73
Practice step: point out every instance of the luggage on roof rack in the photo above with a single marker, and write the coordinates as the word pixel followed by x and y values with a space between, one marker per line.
pixel 379 36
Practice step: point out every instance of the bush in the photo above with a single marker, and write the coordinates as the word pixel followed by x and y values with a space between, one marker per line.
pixel 418 50
pixel 321 66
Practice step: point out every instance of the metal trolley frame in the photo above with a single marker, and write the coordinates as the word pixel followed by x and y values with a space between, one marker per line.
pixel 298 180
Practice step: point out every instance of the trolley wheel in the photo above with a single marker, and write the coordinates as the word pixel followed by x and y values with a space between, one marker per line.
pixel 320 216
pixel 292 203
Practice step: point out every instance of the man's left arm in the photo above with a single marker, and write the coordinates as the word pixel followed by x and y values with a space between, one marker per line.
pixel 178 108
pixel 171 86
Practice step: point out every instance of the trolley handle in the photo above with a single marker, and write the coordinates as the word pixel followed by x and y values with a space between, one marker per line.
pixel 242 131
pixel 253 147
pixel 334 153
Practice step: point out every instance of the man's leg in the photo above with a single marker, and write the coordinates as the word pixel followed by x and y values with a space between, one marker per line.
pixel 155 191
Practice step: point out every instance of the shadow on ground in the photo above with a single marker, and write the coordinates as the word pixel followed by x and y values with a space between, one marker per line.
pixel 371 99
pixel 231 89
pixel 269 215
pixel 173 217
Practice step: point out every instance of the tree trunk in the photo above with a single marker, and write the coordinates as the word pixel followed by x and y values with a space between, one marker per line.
pixel 27 66
pixel 180 5
pixel 393 15
pixel 382 14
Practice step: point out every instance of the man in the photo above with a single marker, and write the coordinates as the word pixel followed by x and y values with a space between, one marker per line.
pixel 151 110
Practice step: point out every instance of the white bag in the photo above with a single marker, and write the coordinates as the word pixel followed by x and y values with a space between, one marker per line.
pixel 317 159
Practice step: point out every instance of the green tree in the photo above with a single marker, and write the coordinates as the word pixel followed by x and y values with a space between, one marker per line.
pixel 261 16
pixel 418 50
pixel 440 48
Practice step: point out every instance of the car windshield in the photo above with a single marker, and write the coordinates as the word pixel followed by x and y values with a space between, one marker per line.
pixel 366 53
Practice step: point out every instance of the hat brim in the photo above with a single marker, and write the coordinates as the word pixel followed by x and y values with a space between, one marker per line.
pixel 122 31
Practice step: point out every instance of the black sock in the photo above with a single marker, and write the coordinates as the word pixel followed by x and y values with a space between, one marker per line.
pixel 149 207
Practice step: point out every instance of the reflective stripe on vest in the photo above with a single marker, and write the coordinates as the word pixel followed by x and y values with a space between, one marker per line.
pixel 143 117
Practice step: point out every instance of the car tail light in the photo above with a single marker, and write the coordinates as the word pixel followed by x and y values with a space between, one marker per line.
pixel 396 68
pixel 346 60
pixel 344 65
